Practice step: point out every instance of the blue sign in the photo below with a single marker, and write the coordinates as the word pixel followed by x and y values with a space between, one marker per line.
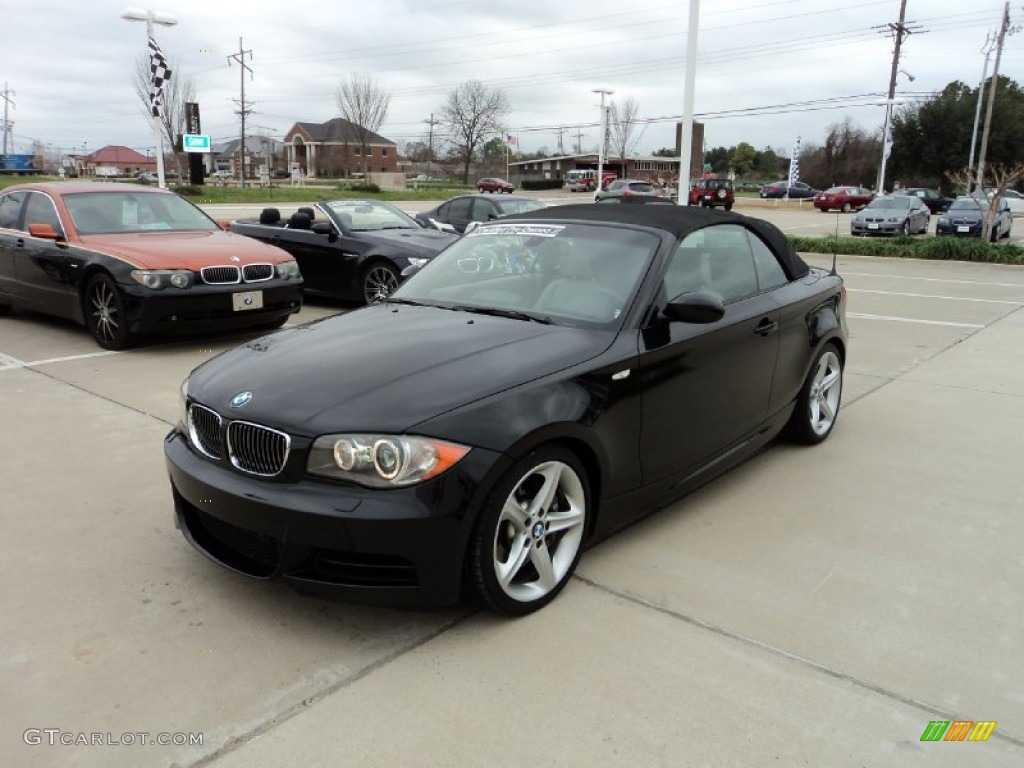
pixel 196 142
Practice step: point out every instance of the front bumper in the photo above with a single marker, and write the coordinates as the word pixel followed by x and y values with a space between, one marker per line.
pixel 876 228
pixel 959 229
pixel 403 546
pixel 208 308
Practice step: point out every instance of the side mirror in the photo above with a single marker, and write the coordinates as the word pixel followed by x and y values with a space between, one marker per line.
pixel 441 226
pixel 224 224
pixel 43 230
pixel 695 307
pixel 325 228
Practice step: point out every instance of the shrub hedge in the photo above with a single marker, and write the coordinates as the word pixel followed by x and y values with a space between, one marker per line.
pixel 937 248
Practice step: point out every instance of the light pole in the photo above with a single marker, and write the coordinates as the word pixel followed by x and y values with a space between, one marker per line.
pixel 604 127
pixel 164 20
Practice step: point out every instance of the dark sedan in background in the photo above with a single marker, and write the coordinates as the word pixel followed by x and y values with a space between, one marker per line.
pixel 935 201
pixel 796 190
pixel 126 260
pixel 966 218
pixel 891 215
pixel 458 212
pixel 543 382
pixel 355 249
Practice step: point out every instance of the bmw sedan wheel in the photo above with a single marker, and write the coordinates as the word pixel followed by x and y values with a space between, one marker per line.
pixel 847 207
pixel 104 313
pixel 905 228
pixel 818 405
pixel 379 281
pixel 530 533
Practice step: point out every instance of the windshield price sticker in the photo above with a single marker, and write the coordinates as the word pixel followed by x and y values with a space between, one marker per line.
pixel 532 230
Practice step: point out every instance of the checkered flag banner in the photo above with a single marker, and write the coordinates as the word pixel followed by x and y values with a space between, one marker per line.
pixel 159 76
pixel 794 164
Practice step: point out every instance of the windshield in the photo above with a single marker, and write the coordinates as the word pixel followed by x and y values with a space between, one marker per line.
pixel 520 206
pixel 965 204
pixel 891 203
pixel 567 274
pixel 369 215
pixel 96 213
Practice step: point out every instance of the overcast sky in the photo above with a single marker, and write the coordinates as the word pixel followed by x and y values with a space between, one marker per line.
pixel 803 64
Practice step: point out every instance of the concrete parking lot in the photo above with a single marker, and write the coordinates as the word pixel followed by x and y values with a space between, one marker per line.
pixel 813 607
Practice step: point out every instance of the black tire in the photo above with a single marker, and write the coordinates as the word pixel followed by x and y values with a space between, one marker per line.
pixel 905 229
pixel 103 307
pixel 995 233
pixel 5 309
pixel 847 207
pixel 515 563
pixel 728 206
pixel 379 278
pixel 817 406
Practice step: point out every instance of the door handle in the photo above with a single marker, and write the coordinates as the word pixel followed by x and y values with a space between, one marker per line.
pixel 765 327
pixel 20 242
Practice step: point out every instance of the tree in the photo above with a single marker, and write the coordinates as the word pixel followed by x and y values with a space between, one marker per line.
pixel 741 158
pixel 471 113
pixel 665 152
pixel 933 137
pixel 767 163
pixel 417 152
pixel 177 91
pixel 621 125
pixel 718 159
pixel 849 156
pixel 364 104
pixel 494 152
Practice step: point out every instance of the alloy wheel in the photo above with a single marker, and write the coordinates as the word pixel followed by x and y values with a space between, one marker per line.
pixel 825 390
pixel 539 532
pixel 378 283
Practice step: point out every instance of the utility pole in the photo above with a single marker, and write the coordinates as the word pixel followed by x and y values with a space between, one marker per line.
pixel 579 142
pixel 430 140
pixel 987 49
pixel 601 142
pixel 980 181
pixel 244 108
pixel 561 147
pixel 6 96
pixel 899 32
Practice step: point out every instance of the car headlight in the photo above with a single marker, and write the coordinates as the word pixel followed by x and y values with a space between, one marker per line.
pixel 382 461
pixel 416 261
pixel 183 406
pixel 943 221
pixel 158 279
pixel 288 270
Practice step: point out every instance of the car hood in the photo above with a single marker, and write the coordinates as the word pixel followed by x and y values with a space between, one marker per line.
pixel 412 242
pixel 184 250
pixel 386 368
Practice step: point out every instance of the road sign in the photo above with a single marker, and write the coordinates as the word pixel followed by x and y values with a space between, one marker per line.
pixel 196 142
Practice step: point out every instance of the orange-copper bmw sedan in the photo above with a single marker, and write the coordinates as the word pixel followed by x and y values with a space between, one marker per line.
pixel 126 260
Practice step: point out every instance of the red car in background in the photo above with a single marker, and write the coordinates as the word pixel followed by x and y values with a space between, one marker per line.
pixel 495 185
pixel 843 199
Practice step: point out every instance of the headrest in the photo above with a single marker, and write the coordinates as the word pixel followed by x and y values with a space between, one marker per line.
pixel 299 221
pixel 270 216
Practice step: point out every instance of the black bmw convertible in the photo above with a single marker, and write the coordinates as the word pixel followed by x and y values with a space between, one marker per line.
pixel 541 383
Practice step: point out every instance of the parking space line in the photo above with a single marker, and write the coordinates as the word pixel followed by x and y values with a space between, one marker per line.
pixel 6 361
pixel 913 320
pixel 935 296
pixel 933 279
pixel 10 363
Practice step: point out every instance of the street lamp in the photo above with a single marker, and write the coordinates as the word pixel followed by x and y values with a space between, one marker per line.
pixel 164 20
pixel 604 127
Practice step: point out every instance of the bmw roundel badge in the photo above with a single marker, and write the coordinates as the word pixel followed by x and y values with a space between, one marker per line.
pixel 242 398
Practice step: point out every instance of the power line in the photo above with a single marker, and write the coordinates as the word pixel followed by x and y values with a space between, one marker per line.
pixel 244 107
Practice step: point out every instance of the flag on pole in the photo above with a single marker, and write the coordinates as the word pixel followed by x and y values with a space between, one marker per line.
pixel 159 76
pixel 794 164
pixel 511 140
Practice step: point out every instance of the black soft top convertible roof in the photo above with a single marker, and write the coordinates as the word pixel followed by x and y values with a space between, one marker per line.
pixel 679 220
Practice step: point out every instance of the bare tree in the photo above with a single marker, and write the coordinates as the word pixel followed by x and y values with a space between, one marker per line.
pixel 177 91
pixel 471 113
pixel 364 103
pixel 621 125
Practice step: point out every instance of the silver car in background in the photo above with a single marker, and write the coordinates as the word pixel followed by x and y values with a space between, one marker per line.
pixel 891 215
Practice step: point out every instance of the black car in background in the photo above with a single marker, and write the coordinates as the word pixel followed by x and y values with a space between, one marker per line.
pixel 544 381
pixel 458 212
pixel 796 190
pixel 932 198
pixel 354 249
